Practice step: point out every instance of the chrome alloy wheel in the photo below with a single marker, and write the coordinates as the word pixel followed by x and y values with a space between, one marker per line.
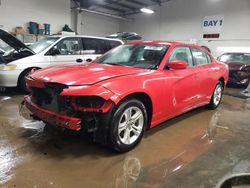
pixel 217 94
pixel 130 125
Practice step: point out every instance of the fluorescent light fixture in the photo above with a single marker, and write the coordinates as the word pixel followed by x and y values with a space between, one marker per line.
pixel 147 10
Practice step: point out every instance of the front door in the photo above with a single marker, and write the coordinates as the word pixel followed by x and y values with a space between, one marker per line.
pixel 184 83
pixel 69 52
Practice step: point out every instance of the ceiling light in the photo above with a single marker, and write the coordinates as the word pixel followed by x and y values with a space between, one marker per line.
pixel 147 10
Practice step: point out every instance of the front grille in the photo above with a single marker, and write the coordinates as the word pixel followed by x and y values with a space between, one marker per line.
pixel 233 74
pixel 49 98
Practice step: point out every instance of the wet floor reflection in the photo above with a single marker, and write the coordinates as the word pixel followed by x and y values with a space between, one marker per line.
pixel 32 155
pixel 130 172
pixel 7 162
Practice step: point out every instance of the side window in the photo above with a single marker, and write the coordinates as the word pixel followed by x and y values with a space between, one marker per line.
pixel 69 46
pixel 200 57
pixel 98 46
pixel 113 43
pixel 182 53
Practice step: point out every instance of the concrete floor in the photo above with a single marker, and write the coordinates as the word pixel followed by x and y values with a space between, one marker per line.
pixel 197 149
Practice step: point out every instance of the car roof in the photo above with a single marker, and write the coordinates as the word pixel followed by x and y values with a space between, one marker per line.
pixel 84 36
pixel 233 53
pixel 169 43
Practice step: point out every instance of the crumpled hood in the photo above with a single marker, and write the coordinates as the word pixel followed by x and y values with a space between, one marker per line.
pixel 87 74
pixel 235 65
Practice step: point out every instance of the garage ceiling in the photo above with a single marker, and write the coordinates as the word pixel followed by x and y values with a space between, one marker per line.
pixel 116 7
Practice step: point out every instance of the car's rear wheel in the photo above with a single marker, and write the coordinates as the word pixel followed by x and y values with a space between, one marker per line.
pixel 128 125
pixel 216 97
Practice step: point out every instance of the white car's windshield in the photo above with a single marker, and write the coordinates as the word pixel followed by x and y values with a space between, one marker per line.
pixel 146 56
pixel 42 44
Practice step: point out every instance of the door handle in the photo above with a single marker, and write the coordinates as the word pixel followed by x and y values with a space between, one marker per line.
pixel 88 60
pixel 79 60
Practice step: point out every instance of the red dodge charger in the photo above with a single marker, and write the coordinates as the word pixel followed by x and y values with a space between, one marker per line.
pixel 131 88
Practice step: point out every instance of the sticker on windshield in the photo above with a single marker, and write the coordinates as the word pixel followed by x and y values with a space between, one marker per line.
pixel 157 48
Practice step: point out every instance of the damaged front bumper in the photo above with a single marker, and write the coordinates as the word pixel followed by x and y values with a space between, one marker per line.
pixel 238 77
pixel 53 117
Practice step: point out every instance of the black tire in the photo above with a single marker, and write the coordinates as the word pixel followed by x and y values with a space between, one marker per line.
pixel 21 82
pixel 213 104
pixel 114 137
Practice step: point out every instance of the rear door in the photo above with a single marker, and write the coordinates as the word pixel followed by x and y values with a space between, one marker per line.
pixel 206 72
pixel 70 51
pixel 93 48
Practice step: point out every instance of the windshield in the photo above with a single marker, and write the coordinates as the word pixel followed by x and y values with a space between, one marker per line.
pixel 146 56
pixel 236 57
pixel 42 44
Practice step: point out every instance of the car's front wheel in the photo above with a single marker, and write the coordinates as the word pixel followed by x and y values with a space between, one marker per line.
pixel 216 97
pixel 128 125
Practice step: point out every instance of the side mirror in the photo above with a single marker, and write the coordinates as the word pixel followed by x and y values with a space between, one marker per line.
pixel 178 64
pixel 54 52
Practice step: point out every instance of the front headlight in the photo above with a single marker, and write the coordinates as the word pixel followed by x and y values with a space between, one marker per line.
pixel 90 101
pixel 8 67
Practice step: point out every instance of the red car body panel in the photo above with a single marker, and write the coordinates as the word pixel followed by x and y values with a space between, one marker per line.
pixel 172 92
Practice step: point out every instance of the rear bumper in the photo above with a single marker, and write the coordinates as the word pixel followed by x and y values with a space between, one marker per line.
pixel 53 117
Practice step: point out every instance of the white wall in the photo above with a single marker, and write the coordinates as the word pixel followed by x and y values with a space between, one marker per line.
pixel 19 12
pixel 181 20
pixel 96 25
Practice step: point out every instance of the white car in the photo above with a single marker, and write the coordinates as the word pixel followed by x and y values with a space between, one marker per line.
pixel 19 59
